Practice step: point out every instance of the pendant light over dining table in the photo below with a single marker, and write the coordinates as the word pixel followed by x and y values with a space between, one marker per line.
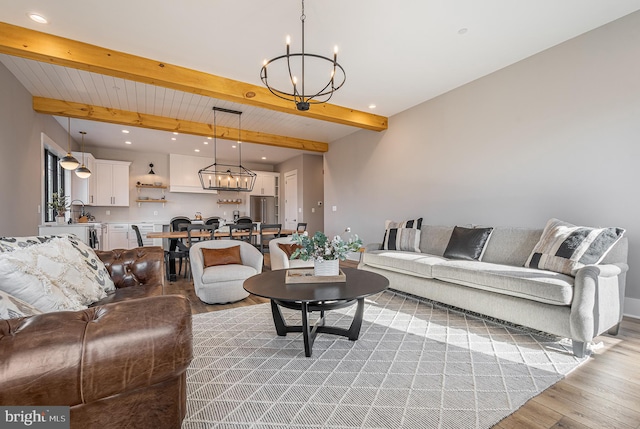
pixel 82 171
pixel 226 177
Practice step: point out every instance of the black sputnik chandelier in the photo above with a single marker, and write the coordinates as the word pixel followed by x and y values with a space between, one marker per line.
pixel 299 86
pixel 226 177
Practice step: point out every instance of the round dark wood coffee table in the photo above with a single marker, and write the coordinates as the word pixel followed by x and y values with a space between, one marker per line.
pixel 309 297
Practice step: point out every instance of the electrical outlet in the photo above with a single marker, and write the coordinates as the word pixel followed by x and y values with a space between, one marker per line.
pixel 313 209
pixel 155 212
pixel 108 213
pixel 299 209
pixel 39 209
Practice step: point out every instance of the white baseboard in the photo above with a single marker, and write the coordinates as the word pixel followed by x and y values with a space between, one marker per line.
pixel 632 307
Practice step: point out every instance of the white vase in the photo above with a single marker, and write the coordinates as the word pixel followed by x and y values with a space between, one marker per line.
pixel 326 267
pixel 60 220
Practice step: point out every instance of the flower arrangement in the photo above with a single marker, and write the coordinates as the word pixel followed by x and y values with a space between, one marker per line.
pixel 58 203
pixel 319 247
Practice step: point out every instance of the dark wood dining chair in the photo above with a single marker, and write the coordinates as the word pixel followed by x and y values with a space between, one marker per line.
pixel 268 231
pixel 138 235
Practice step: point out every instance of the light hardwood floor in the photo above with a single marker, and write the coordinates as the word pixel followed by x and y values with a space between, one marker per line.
pixel 602 393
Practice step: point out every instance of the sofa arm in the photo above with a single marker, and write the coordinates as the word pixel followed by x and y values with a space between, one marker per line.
pixel 135 267
pixel 71 358
pixel 598 299
pixel 372 246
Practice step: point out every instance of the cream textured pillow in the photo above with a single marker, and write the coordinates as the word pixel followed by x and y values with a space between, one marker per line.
pixel 51 276
pixel 565 248
pixel 12 307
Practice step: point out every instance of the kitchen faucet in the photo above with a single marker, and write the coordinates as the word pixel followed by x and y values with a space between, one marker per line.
pixel 80 201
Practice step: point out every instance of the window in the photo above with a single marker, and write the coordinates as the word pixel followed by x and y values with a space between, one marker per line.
pixel 53 182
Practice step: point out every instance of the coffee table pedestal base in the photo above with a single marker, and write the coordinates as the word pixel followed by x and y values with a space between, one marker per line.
pixel 309 332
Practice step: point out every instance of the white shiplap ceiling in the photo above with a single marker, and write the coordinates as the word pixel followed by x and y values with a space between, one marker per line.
pixel 396 54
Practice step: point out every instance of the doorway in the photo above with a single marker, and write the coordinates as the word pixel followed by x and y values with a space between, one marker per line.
pixel 291 200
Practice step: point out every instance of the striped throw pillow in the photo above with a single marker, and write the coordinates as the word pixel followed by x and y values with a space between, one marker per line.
pixel 565 248
pixel 407 239
pixel 412 223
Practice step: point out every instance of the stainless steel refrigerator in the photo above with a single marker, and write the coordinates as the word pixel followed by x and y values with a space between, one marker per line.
pixel 263 209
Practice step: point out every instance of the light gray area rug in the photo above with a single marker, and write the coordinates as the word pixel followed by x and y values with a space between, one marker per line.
pixel 415 365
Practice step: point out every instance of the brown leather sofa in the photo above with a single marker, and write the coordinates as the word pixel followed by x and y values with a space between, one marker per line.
pixel 119 364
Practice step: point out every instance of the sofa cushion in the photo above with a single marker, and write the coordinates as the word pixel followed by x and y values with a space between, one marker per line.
pixel 434 239
pixel 12 307
pixel 530 283
pixel 407 239
pixel 511 245
pixel 51 276
pixel 565 248
pixel 416 264
pixel 223 273
pixel 467 243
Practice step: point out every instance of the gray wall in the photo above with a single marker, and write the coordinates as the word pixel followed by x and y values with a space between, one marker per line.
pixel 555 135
pixel 310 189
pixel 20 162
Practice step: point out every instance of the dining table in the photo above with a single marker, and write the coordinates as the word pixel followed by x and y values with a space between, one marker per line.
pixel 179 235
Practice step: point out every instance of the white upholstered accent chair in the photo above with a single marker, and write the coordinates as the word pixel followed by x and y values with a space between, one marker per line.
pixel 220 284
pixel 280 260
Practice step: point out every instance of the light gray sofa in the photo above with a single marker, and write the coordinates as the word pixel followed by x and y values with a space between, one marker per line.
pixel 580 307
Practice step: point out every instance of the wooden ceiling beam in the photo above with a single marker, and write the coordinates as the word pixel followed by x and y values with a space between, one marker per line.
pixel 35 45
pixel 114 116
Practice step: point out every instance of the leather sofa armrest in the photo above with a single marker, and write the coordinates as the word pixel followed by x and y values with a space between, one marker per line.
pixel 135 267
pixel 71 358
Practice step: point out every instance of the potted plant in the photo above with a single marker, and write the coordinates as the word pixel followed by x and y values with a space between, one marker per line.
pixel 59 205
pixel 326 254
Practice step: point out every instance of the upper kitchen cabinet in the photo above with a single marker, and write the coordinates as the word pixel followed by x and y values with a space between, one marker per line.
pixel 183 173
pixel 112 183
pixel 265 183
pixel 84 189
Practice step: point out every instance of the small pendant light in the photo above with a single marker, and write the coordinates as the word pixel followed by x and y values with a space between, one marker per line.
pixel 83 172
pixel 69 162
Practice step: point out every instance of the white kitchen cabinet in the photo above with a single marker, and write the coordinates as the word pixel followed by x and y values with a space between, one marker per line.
pixel 112 183
pixel 84 189
pixel 118 236
pixel 265 183
pixel 183 173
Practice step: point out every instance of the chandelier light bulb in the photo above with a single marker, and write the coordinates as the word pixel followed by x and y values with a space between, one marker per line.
pixel 288 40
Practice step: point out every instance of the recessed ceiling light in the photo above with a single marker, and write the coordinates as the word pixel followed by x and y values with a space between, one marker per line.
pixel 372 106
pixel 127 142
pixel 264 157
pixel 38 18
pixel 209 138
pixel 233 146
pixel 197 150
pixel 175 134
pixel 463 30
pixel 125 131
pixel 173 138
pixel 205 142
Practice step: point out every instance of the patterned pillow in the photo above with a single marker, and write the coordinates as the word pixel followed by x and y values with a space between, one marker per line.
pixel 407 239
pixel 412 223
pixel 50 276
pixel 565 248
pixel 101 275
pixel 12 307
